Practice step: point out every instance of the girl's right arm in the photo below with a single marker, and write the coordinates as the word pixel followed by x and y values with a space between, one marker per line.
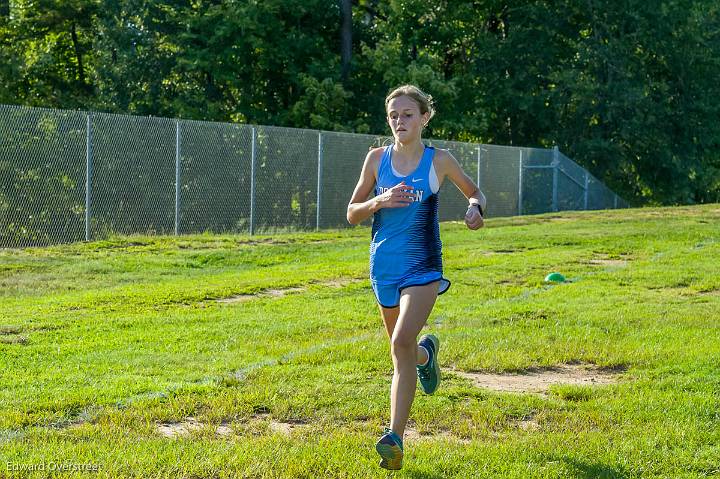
pixel 360 207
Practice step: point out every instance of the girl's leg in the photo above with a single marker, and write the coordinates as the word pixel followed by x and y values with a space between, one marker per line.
pixel 390 316
pixel 416 303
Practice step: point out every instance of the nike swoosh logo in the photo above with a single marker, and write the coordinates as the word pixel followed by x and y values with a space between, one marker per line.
pixel 415 180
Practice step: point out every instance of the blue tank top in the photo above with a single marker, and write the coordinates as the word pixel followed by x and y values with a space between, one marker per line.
pixel 406 240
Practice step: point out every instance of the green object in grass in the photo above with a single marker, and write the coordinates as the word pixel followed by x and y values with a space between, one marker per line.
pixel 555 278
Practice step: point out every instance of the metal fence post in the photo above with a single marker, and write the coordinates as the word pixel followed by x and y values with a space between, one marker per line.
pixel 319 179
pixel 177 177
pixel 88 175
pixel 479 156
pixel 520 186
pixel 587 188
pixel 615 201
pixel 252 182
pixel 555 163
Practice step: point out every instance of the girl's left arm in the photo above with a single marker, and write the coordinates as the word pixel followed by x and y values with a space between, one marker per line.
pixel 449 167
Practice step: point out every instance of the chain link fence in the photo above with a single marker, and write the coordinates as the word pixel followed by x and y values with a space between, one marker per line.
pixel 69 176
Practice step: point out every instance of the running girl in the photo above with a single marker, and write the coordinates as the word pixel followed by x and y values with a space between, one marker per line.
pixel 405 251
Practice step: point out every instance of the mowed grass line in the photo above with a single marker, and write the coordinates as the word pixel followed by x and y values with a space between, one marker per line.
pixel 101 342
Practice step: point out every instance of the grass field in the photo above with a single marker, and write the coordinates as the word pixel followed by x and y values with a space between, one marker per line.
pixel 236 356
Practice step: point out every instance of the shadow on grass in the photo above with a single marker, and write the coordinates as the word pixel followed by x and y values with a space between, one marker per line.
pixel 424 475
pixel 588 470
pixel 580 470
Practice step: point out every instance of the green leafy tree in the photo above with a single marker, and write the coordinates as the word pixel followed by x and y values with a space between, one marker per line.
pixel 51 43
pixel 627 89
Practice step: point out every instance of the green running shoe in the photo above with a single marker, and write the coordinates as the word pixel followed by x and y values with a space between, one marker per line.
pixel 390 448
pixel 429 374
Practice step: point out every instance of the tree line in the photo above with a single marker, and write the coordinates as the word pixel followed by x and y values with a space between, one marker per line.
pixel 628 88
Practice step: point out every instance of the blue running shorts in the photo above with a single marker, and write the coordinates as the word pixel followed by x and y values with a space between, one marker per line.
pixel 388 294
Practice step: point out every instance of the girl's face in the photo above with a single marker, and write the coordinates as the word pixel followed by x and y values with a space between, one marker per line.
pixel 405 119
